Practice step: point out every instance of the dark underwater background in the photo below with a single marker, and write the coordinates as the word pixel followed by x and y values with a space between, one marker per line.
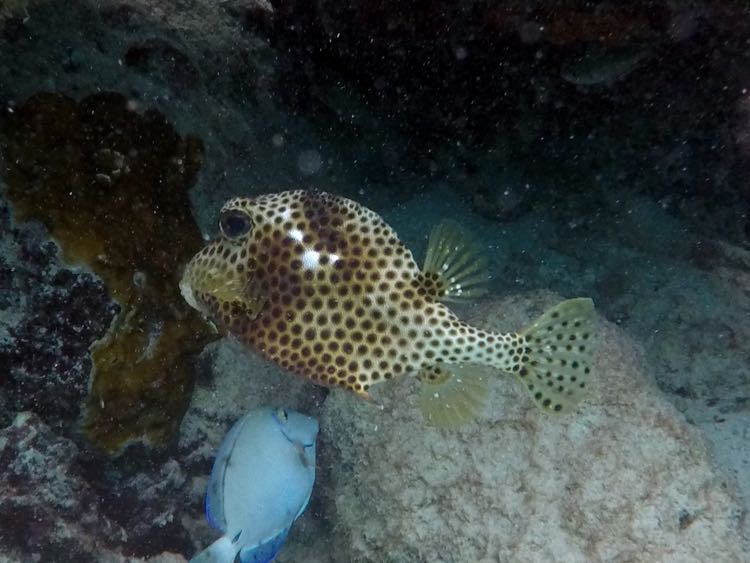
pixel 596 149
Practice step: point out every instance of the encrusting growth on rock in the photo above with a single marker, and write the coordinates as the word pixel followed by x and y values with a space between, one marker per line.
pixel 110 185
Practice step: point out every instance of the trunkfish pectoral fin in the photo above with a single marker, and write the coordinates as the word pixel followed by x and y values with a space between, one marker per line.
pixel 452 397
pixel 455 269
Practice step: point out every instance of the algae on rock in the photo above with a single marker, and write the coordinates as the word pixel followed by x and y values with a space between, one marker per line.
pixel 110 184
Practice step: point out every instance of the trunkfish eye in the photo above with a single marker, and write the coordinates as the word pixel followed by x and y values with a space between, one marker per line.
pixel 234 224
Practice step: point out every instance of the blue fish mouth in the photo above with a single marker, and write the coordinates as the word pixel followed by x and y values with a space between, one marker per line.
pixel 281 426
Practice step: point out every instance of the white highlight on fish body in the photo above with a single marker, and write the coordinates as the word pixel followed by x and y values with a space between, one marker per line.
pixel 311 259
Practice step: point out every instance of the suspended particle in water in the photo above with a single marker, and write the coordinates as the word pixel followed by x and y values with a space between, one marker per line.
pixel 682 25
pixel 277 140
pixel 309 162
pixel 530 32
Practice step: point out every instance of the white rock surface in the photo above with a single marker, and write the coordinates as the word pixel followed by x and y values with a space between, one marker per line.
pixel 232 381
pixel 626 478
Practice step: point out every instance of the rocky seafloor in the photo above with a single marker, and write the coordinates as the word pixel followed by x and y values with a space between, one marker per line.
pixel 626 182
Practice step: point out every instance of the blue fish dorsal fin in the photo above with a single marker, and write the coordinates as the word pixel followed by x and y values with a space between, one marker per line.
pixel 266 551
pixel 214 509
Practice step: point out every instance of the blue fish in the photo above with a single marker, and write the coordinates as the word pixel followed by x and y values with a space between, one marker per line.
pixel 260 484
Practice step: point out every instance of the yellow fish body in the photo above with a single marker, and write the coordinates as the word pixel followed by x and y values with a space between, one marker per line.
pixel 324 287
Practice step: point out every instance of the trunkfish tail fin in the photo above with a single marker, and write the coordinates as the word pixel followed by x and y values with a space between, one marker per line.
pixel 558 354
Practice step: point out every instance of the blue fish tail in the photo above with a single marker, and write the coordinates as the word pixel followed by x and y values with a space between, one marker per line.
pixel 264 552
pixel 221 551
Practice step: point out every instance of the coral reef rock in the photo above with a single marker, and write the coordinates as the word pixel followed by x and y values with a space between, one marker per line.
pixel 623 478
pixel 48 511
pixel 49 315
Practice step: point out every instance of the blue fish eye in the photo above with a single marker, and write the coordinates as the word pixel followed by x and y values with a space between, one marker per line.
pixel 234 223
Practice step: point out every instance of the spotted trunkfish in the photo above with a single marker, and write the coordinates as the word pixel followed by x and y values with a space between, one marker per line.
pixel 323 287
